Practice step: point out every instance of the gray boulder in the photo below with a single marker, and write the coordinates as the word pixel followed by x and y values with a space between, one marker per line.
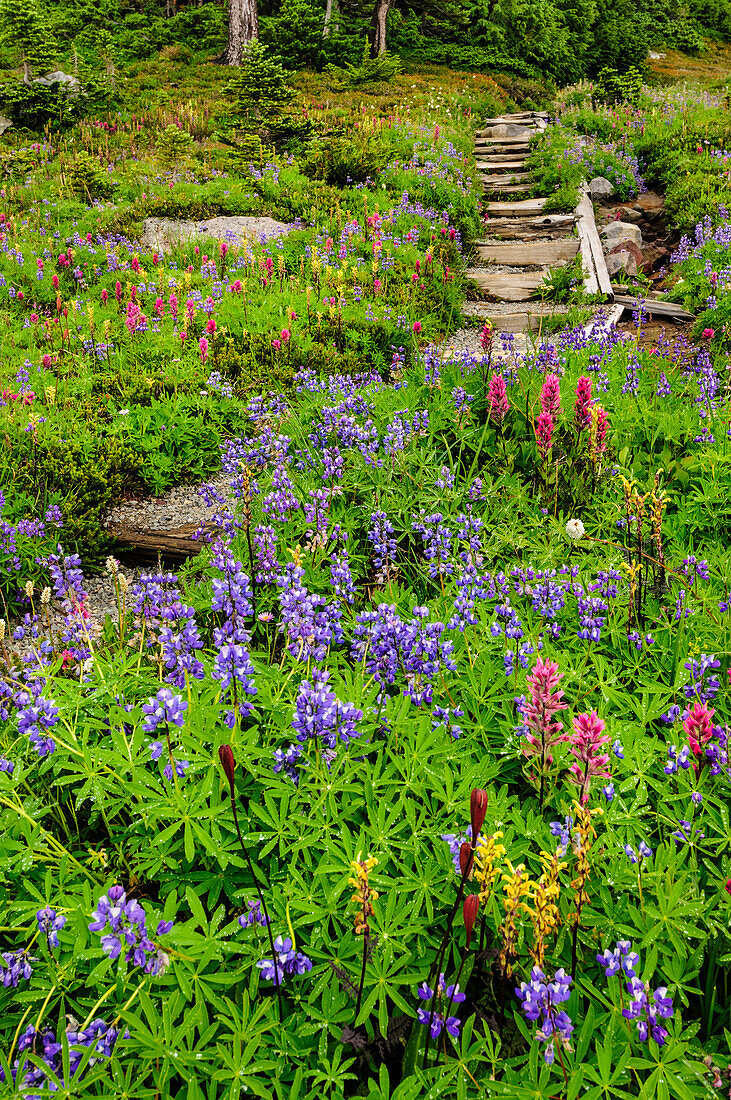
pixel 600 188
pixel 5 124
pixel 621 231
pixel 507 129
pixel 165 234
pixel 71 83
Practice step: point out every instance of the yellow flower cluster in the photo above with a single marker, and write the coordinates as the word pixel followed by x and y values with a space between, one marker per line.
pixel 516 886
pixel 584 834
pixel 487 854
pixel 364 896
pixel 544 913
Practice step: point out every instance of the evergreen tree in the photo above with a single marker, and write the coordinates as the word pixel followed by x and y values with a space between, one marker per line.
pixel 24 30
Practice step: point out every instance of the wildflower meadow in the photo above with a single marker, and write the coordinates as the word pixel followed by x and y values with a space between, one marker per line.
pixel 414 782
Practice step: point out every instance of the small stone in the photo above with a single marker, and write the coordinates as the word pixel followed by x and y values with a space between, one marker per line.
pixel 650 202
pixel 600 187
pixel 621 231
pixel 629 214
pixel 621 262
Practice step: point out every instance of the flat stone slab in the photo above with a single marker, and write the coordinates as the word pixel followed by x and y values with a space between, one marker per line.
pixel 507 130
pixel 165 234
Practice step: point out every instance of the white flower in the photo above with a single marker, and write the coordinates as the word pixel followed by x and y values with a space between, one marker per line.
pixel 124 412
pixel 574 528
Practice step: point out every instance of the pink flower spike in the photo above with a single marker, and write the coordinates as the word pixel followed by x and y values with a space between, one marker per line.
pixel 582 405
pixel 497 396
pixel 551 396
pixel 587 742
pixel 698 726
pixel 544 433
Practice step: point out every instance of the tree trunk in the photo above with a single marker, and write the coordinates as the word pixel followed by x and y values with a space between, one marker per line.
pixel 377 34
pixel 243 27
pixel 332 17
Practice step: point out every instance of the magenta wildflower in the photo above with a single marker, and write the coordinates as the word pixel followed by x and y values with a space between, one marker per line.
pixel 582 405
pixel 542 733
pixel 587 744
pixel 544 434
pixel 551 396
pixel 497 397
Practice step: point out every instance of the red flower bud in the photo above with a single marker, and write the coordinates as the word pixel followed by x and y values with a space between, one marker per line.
pixel 469 914
pixel 226 756
pixel 466 857
pixel 478 809
pixel 728 885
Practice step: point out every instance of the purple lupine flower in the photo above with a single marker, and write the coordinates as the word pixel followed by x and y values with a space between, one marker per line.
pixel 321 716
pixel 36 721
pixel 443 717
pixel 380 535
pixel 164 707
pixel 50 923
pixel 539 998
pixel 311 624
pixel 16 967
pixel 124 923
pixel 437 542
pixel 434 1019
pixel 341 577
pixel 288 962
pixel 647 1009
pixel 231 598
pixel 254 915
pixel 288 761
pixel 264 543
pixel 233 667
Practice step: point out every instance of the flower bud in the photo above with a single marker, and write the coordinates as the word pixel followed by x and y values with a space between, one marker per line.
pixel 46 595
pixel 478 809
pixel 466 858
pixel 226 756
pixel 469 913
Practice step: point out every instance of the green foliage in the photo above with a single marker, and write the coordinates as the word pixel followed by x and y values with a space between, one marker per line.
pixel 305 48
pixel 614 87
pixel 87 180
pixel 371 70
pixel 22 27
pixel 260 99
pixel 173 145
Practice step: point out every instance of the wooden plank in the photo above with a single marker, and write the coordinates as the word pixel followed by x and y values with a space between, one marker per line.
pixel 524 206
pixel 518 116
pixel 506 288
pixel 653 308
pixel 508 188
pixel 493 163
pixel 597 279
pixel 535 255
pixel 502 178
pixel 506 141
